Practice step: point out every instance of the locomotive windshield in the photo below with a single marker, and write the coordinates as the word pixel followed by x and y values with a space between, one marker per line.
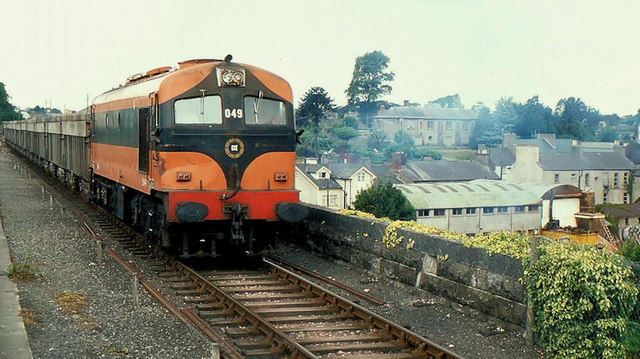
pixel 263 111
pixel 199 110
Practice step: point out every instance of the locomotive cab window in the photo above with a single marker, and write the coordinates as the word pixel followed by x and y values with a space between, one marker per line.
pixel 263 111
pixel 200 110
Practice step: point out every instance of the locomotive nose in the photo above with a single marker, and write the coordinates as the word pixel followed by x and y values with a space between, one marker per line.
pixel 291 212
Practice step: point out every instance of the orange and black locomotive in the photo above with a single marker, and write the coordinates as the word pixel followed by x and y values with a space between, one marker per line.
pixel 199 158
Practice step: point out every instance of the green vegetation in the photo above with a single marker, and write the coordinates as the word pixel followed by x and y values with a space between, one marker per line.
pixel 8 112
pixel 585 299
pixel 571 118
pixel 384 200
pixel 315 107
pixel 21 270
pixel 369 83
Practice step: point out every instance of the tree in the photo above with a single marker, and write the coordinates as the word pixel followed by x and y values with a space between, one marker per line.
pixel 576 119
pixel 8 112
pixel 534 117
pixel 369 83
pixel 315 106
pixel 486 131
pixel 451 101
pixel 384 200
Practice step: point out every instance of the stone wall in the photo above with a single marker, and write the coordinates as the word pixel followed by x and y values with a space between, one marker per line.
pixel 468 275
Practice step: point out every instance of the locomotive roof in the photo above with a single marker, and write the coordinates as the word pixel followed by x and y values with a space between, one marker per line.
pixel 172 83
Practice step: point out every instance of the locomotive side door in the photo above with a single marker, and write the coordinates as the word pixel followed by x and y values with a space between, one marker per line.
pixel 143 140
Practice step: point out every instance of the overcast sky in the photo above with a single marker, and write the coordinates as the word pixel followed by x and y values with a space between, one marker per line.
pixel 64 51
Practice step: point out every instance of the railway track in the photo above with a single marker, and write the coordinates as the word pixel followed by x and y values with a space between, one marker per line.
pixel 270 312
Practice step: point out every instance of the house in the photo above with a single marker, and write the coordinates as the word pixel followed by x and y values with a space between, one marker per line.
pixel 333 185
pixel 481 206
pixel 318 187
pixel 597 167
pixel 353 178
pixel 433 171
pixel 429 125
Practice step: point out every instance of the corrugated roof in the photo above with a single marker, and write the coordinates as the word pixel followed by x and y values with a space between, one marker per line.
pixel 479 193
pixel 433 113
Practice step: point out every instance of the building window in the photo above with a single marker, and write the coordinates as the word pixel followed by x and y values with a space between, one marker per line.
pixel 487 210
pixel 503 210
pixel 449 126
pixel 626 178
pixel 556 178
pixel 605 197
pixel 430 125
pixel 430 138
pixel 587 179
pixel 361 177
pixel 534 208
pixel 333 200
pixel 323 174
pixel 626 197
pixel 457 211
pixel 324 200
pixel 471 211
pixel 519 209
pixel 615 179
pixel 439 212
pixel 423 213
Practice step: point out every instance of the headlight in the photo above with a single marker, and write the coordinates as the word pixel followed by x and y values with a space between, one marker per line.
pixel 230 77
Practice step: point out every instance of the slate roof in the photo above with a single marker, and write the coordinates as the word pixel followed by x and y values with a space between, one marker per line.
pixel 444 171
pixel 629 210
pixel 322 183
pixel 480 193
pixel 435 113
pixel 344 170
pixel 501 156
pixel 585 160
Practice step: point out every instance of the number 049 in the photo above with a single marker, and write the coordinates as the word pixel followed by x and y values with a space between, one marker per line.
pixel 235 113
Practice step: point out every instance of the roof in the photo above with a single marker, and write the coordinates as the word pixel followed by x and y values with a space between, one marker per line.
pixel 480 193
pixel 585 160
pixel 321 183
pixel 436 113
pixel 444 171
pixel 629 210
pixel 501 156
pixel 345 170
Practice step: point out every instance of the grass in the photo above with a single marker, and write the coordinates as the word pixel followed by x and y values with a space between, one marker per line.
pixel 28 316
pixel 70 302
pixel 21 271
pixel 456 154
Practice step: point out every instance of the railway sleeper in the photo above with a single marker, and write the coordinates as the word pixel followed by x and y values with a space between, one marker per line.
pixel 266 282
pixel 355 346
pixel 343 338
pixel 285 303
pixel 308 318
pixel 269 312
pixel 305 328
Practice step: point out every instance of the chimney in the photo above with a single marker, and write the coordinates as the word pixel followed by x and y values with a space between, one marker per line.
pixel 406 103
pixel 397 160
pixel 509 141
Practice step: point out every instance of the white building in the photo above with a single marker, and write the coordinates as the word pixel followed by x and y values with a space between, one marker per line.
pixel 480 206
pixel 333 185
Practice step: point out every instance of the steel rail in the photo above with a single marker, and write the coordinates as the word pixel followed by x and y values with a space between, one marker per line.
pixel 368 297
pixel 279 338
pixel 403 336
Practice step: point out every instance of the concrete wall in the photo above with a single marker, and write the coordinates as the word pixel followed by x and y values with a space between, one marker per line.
pixel 484 222
pixel 468 275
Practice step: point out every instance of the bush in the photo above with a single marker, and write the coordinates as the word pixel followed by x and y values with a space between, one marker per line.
pixel 384 200
pixel 583 298
pixel 630 250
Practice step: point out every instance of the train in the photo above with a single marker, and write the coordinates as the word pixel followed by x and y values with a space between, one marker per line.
pixel 199 158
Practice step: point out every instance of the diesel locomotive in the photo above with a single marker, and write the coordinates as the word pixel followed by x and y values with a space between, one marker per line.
pixel 199 158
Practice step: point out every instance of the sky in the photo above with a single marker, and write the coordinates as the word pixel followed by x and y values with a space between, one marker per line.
pixel 66 51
